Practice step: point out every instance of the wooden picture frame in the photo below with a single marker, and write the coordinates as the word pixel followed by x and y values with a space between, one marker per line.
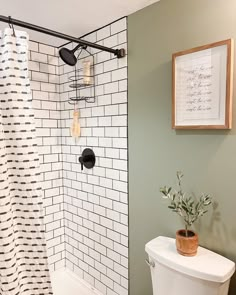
pixel 202 83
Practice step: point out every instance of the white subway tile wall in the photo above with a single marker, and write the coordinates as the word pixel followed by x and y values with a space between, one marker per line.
pixel 86 212
pixel 43 70
pixel 96 202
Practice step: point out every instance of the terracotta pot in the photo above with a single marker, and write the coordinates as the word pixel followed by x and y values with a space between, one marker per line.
pixel 186 246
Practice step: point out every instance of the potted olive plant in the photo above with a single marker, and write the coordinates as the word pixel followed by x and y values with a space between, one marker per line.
pixel 189 209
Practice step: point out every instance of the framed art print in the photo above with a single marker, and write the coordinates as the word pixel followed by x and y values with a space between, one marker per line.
pixel 202 87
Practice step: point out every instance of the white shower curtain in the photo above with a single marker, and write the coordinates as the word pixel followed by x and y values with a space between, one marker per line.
pixel 23 259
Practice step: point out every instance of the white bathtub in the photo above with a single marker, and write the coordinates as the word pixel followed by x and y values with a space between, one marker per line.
pixel 65 282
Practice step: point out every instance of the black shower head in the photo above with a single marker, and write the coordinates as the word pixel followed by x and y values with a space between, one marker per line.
pixel 68 56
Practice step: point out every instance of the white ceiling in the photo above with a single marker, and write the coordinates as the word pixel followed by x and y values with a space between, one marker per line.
pixel 73 17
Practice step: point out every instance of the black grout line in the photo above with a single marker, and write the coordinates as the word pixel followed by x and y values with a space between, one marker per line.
pixel 94 31
pixel 66 186
pixel 107 267
pixel 101 245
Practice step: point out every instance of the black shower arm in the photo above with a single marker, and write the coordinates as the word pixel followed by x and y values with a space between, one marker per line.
pixel 117 52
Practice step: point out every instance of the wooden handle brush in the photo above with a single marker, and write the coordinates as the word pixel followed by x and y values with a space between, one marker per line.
pixel 75 127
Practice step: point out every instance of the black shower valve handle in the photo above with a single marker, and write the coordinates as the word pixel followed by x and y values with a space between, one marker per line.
pixel 81 162
pixel 87 159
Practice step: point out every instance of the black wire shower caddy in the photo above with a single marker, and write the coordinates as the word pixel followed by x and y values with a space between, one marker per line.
pixel 77 80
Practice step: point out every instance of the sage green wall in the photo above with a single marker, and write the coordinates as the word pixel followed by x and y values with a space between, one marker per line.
pixel 156 152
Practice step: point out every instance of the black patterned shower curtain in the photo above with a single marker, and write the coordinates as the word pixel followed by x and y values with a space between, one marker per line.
pixel 23 258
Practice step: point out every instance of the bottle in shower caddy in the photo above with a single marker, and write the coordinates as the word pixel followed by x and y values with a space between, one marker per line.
pixel 87 72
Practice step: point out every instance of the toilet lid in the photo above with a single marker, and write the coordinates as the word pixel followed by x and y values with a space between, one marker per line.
pixel 206 265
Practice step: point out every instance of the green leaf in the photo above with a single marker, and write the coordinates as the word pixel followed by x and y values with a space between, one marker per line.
pixel 184 204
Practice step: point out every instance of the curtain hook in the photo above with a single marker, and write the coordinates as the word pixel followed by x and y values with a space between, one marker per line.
pixel 11 26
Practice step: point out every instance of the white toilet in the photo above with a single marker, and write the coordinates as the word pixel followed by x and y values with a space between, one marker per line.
pixel 207 273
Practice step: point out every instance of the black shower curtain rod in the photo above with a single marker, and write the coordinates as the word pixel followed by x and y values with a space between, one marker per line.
pixel 117 52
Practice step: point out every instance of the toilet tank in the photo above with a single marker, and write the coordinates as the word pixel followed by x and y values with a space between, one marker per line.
pixel 207 273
